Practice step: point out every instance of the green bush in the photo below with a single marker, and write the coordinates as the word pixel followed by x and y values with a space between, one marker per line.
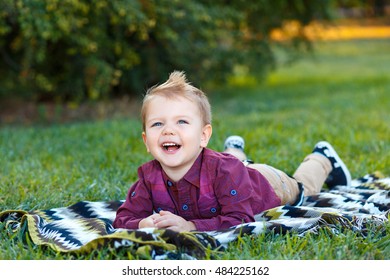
pixel 94 49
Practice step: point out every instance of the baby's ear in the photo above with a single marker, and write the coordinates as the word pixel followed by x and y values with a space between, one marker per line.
pixel 144 139
pixel 206 135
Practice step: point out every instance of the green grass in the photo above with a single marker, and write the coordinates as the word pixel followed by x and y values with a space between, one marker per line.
pixel 341 95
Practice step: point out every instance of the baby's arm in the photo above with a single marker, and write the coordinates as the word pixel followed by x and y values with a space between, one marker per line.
pixel 138 206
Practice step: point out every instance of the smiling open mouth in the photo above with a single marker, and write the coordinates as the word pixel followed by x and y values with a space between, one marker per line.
pixel 170 147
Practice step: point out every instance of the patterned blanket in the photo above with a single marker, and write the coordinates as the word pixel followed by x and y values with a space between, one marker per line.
pixel 86 225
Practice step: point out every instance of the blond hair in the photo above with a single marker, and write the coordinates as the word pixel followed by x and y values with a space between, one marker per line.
pixel 177 86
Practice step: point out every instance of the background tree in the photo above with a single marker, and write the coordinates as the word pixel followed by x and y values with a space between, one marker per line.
pixel 76 50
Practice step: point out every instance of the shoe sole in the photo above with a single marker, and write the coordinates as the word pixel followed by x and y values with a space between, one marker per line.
pixel 338 159
pixel 234 138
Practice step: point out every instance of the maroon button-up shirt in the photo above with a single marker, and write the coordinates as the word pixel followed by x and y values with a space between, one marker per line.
pixel 216 193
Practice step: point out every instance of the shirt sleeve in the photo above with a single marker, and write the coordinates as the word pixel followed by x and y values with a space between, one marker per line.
pixel 234 191
pixel 137 206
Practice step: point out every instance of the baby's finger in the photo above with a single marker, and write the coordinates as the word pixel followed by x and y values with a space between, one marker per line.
pixel 164 213
pixel 164 222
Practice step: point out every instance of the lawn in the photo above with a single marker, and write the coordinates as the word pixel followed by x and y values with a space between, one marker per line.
pixel 341 94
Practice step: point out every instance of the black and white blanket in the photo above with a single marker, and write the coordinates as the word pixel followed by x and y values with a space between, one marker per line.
pixel 86 225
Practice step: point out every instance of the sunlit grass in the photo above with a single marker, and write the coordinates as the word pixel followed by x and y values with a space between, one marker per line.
pixel 331 31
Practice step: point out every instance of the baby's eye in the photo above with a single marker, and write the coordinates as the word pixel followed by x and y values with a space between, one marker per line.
pixel 156 124
pixel 182 122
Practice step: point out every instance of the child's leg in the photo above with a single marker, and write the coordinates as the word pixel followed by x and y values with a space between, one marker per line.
pixel 312 173
pixel 323 165
pixel 285 187
pixel 237 153
pixel 234 145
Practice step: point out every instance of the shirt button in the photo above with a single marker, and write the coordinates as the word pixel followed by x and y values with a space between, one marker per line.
pixel 132 194
pixel 185 207
pixel 169 183
pixel 213 210
pixel 233 192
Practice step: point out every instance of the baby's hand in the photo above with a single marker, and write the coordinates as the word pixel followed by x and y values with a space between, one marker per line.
pixel 148 222
pixel 168 220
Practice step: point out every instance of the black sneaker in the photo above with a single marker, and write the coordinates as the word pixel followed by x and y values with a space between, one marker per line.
pixel 235 142
pixel 340 174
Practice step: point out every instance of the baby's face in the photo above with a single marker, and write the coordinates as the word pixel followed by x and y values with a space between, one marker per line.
pixel 174 133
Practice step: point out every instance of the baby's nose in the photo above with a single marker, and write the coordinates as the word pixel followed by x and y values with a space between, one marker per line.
pixel 168 130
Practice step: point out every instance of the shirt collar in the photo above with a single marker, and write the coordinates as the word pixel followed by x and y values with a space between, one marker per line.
pixel 192 176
